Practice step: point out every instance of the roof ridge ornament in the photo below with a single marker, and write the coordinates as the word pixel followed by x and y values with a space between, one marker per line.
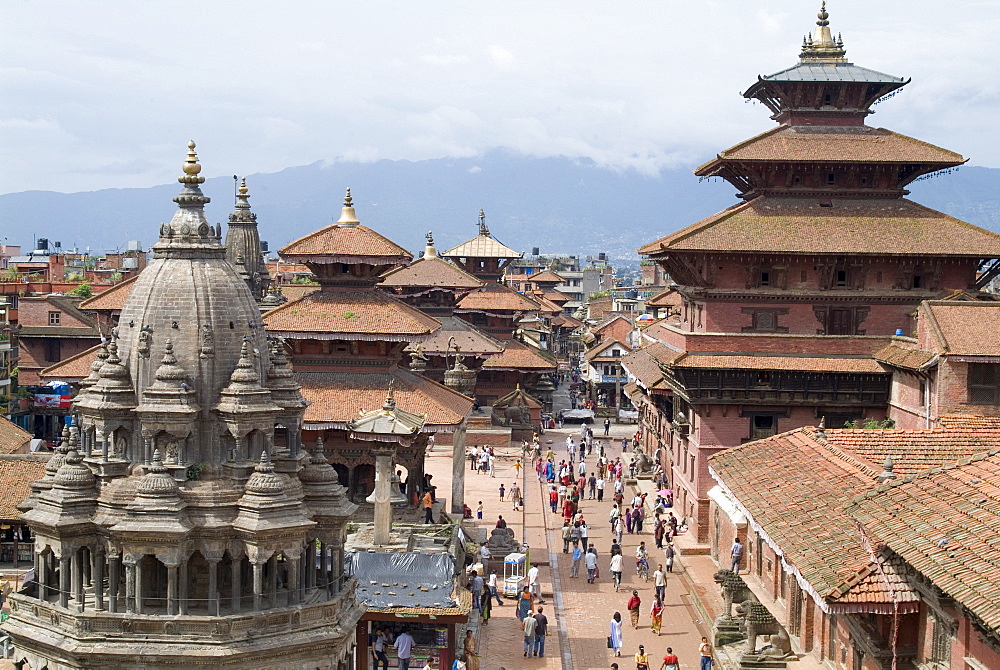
pixel 191 195
pixel 348 219
pixel 483 229
pixel 821 47
pixel 430 251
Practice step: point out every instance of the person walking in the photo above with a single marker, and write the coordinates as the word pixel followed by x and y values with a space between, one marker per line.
pixel 616 634
pixel 476 585
pixel 656 615
pixel 707 656
pixel 491 584
pixel 607 426
pixel 515 495
pixel 529 623
pixel 660 582
pixel 486 605
pixel 541 627
pixel 553 499
pixel 659 529
pixel 379 642
pixel 600 488
pixel 641 659
pixel 584 530
pixel 502 491
pixel 670 661
pixel 737 554
pixel 592 486
pixel 574 534
pixel 616 570
pixel 524 604
pixel 577 557
pixel 404 648
pixel 669 554
pixel 428 501
pixel 566 536
pixel 633 609
pixel 590 560
pixel 534 583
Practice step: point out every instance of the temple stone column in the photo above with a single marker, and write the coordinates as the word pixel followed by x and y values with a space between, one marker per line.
pixel 171 589
pixel 383 508
pixel 213 586
pixel 182 575
pixel 65 580
pixel 458 471
pixel 114 577
pixel 98 559
pixel 130 575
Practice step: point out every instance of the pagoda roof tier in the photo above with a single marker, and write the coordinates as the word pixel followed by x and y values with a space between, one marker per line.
pixel 350 315
pixel 774 225
pixel 431 271
pixel 833 144
pixel 482 246
pixel 791 363
pixel 338 243
pixel 497 298
pixel 337 398
pixel 839 72
pixel 518 356
pixel 470 340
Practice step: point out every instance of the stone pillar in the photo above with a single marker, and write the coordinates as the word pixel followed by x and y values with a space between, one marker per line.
pixel 383 479
pixel 235 563
pixel 42 570
pixel 85 558
pixel 147 448
pixel 139 585
pixel 182 602
pixel 213 586
pixel 98 558
pixel 272 581
pixel 114 577
pixel 130 574
pixel 104 446
pixel 65 580
pixel 258 583
pixel 458 471
pixel 171 590
pixel 321 570
pixel 310 566
pixel 293 562
pixel 76 571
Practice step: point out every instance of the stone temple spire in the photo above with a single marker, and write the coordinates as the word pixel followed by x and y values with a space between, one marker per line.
pixel 820 46
pixel 243 244
pixel 189 234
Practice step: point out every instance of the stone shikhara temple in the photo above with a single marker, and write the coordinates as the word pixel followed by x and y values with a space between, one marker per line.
pixel 182 523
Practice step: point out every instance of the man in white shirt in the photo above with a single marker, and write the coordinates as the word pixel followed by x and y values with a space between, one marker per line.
pixel 534 585
pixel 404 648
pixel 590 559
pixel 491 584
pixel 600 488
pixel 616 569
pixel 660 582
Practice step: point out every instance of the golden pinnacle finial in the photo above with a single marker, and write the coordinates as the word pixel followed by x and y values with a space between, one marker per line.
pixel 430 237
pixel 243 191
pixel 191 165
pixel 390 398
pixel 483 229
pixel 823 16
pixel 347 216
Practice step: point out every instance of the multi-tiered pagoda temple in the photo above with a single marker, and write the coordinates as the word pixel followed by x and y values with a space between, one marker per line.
pixel 786 295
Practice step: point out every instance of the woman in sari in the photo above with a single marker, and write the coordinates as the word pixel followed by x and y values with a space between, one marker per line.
pixel 656 615
pixel 524 604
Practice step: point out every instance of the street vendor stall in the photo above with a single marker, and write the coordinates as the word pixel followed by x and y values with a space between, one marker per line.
pixel 514 574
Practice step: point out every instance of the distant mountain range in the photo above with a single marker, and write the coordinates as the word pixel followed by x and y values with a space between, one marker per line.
pixel 556 204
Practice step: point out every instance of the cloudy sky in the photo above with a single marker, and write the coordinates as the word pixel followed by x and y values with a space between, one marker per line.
pixel 106 94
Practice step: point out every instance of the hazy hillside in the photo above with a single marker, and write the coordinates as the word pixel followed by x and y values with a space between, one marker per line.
pixel 553 203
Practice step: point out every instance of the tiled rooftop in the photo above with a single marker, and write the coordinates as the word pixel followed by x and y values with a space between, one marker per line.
pixel 964 328
pixel 803 363
pixel 16 476
pixel 365 312
pixel 12 436
pixel 345 241
pixel 901 357
pixel 470 340
pixel 945 522
pixel 497 297
pixel 518 356
pixel 431 271
pixel 801 225
pixel 338 397
pixel 72 369
pixel 111 300
pixel 644 365
pixel 482 246
pixel 834 144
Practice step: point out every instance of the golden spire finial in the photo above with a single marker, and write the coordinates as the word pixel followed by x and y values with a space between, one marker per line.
pixel 821 46
pixel 430 251
pixel 243 191
pixel 191 196
pixel 191 165
pixel 347 216
pixel 483 229
pixel 822 16
pixel 390 398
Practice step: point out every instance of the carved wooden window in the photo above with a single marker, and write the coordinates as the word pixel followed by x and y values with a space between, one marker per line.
pixel 763 425
pixel 984 383
pixel 53 351
pixel 765 278
pixel 841 278
pixel 940 641
pixel 839 322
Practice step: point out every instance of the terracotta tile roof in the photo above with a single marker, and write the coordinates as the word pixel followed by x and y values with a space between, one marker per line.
pixel 644 364
pixel 58 331
pixel 868 586
pixel 804 363
pixel 111 300
pixel 901 357
pixel 12 437
pixel 17 473
pixel 611 318
pixel 964 328
pixel 829 144
pixel 335 241
pixel 432 271
pixel 295 291
pixel 605 345
pixel 365 312
pixel 518 356
pixel 800 225
pixel 546 305
pixel 72 369
pixel 793 488
pixel 497 298
pixel 545 277
pixel 945 523
pixel 668 298
pixel 557 297
pixel 564 321
pixel 917 450
pixel 338 397
pixel 471 340
pixel 481 246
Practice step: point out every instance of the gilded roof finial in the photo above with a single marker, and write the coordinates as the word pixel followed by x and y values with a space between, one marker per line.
pixel 390 398
pixel 242 213
pixel 822 16
pixel 821 46
pixel 430 251
pixel 191 196
pixel 483 229
pixel 347 216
